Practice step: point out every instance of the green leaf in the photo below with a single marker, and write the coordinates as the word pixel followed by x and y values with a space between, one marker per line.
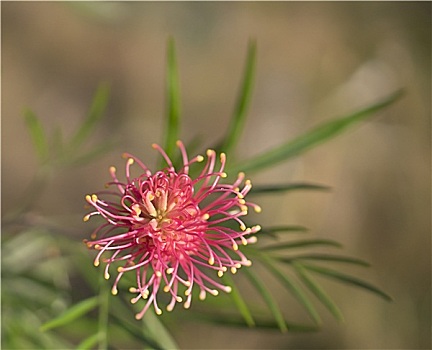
pixel 71 314
pixel 302 243
pixel 347 279
pixel 312 138
pixel 239 116
pixel 231 321
pixel 316 289
pixel 157 329
pixel 173 100
pixel 273 230
pixel 268 298
pixel 97 151
pixel 37 134
pixel 239 301
pixel 264 189
pixel 97 109
pixel 324 257
pixel 89 342
pixel 295 290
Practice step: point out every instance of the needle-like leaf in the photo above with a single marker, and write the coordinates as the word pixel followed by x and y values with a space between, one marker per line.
pixel 295 290
pixel 72 313
pixel 239 301
pixel 272 189
pixel 37 134
pixel 316 289
pixel 302 243
pixel 312 138
pixel 173 101
pixel 347 279
pixel 97 109
pixel 268 298
pixel 239 116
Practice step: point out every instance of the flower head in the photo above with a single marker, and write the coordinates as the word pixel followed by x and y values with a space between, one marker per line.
pixel 173 231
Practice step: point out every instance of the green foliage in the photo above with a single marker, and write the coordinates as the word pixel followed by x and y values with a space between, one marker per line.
pixel 37 311
pixel 312 138
pixel 238 119
pixel 173 102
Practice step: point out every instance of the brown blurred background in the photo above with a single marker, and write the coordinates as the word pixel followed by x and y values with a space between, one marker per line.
pixel 315 61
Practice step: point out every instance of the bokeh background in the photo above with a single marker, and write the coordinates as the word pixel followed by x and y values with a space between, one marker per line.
pixel 315 61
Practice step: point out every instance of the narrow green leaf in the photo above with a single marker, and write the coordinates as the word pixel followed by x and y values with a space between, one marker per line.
pixel 264 189
pixel 319 292
pixel 76 311
pixel 239 116
pixel 89 342
pixel 37 134
pixel 274 230
pixel 157 329
pixel 230 321
pixel 96 111
pixel 302 243
pixel 239 301
pixel 347 279
pixel 133 330
pixel 104 294
pixel 271 302
pixel 295 290
pixel 312 138
pixel 324 257
pixel 173 100
pixel 97 151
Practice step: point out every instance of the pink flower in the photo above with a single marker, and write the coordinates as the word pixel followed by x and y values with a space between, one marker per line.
pixel 174 232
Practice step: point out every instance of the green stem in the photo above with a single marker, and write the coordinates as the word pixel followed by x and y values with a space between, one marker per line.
pixel 103 314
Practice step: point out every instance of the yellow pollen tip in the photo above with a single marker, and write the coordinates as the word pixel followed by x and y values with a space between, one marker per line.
pixel 130 161
pixel 120 269
pixel 214 292
pixel 248 183
pixel 202 295
pixel 223 175
pixel 94 198
pixel 238 265
pixel 178 143
pixel 86 218
pixel 170 308
pixel 239 195
pixel 187 292
pixel 158 273
pixel 88 198
pixel 241 174
pixel 107 276
pixel 210 152
pixel 166 289
pixel 158 311
pixel 112 169
pixel 211 261
pixel 235 246
pixel 96 263
pixel 257 209
pixel 133 290
pixel 199 158
pixel 257 228
pixel 223 157
pixel 228 289
pixel 179 299
pixel 169 270
pixel 206 216
pixel 114 291
pixel 187 283
pixel 220 273
pixel 137 317
pixel 243 227
pixel 233 270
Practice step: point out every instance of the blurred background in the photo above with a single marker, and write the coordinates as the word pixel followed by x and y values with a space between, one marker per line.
pixel 315 61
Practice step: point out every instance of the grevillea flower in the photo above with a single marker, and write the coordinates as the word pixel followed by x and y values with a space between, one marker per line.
pixel 172 231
